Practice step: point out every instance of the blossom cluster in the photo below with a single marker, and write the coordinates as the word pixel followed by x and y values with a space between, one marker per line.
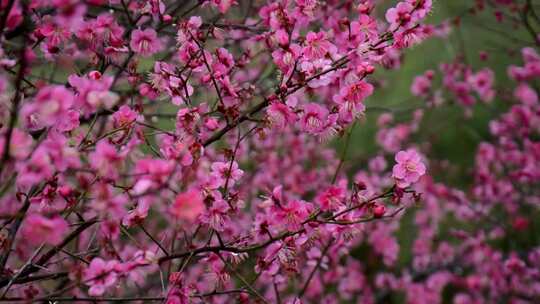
pixel 179 151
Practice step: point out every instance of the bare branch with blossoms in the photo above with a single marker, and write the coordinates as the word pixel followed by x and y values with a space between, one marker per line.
pixel 178 152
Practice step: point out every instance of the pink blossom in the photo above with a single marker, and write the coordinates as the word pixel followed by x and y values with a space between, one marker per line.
pixel 293 214
pixel 216 215
pixel 422 84
pixel 106 160
pixel 364 29
pixel 332 198
pixel 49 107
pixel 482 83
pixel 317 121
pixel 188 205
pixel 20 145
pixel 100 275
pixel 351 97
pixel 399 15
pixel 226 172
pixel 409 168
pixel 526 95
pixel 38 229
pixel 92 93
pixel 317 45
pixel 421 7
pixel 223 5
pixel 145 42
pixel 280 115
pixel 124 117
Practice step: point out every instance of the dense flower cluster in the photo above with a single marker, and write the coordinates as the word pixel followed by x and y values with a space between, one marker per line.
pixel 178 151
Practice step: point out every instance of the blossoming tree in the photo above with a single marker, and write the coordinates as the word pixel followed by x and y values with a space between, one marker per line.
pixel 179 152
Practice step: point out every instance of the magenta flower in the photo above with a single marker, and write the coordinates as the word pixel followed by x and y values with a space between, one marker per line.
pixel 409 168
pixel 100 275
pixel 106 160
pixel 280 115
pixel 224 172
pixel 50 106
pixel 188 205
pixel 350 99
pixel 317 45
pixel 293 214
pixel 399 15
pixel 39 229
pixel 145 42
pixel 125 117
pixel 317 120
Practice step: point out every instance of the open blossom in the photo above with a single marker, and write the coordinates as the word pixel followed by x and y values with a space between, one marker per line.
pixel 332 198
pixel 106 159
pixel 226 172
pixel 92 92
pixel 20 145
pixel 409 168
pixel 422 84
pixel 223 5
pixel 292 214
pixel 351 97
pixel 125 117
pixel 39 229
pixel 100 275
pixel 317 45
pixel 526 95
pixel 50 106
pixel 399 15
pixel 145 42
pixel 482 83
pixel 188 205
pixel 317 72
pixel 146 139
pixel 421 7
pixel 316 120
pixel 280 115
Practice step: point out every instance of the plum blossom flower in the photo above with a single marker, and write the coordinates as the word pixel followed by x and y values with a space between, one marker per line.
pixel 316 120
pixel 49 107
pixel 188 205
pixel 292 214
pixel 106 160
pixel 20 145
pixel 351 97
pixel 223 5
pixel 145 42
pixel 125 117
pixel 421 85
pixel 100 275
pixel 280 115
pixel 409 168
pixel 332 198
pixel 93 92
pixel 319 72
pixel 399 15
pixel 363 29
pixel 136 215
pixel 39 229
pixel 216 215
pixel 317 46
pixel 421 7
pixel 482 83
pixel 226 171
pixel 526 95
